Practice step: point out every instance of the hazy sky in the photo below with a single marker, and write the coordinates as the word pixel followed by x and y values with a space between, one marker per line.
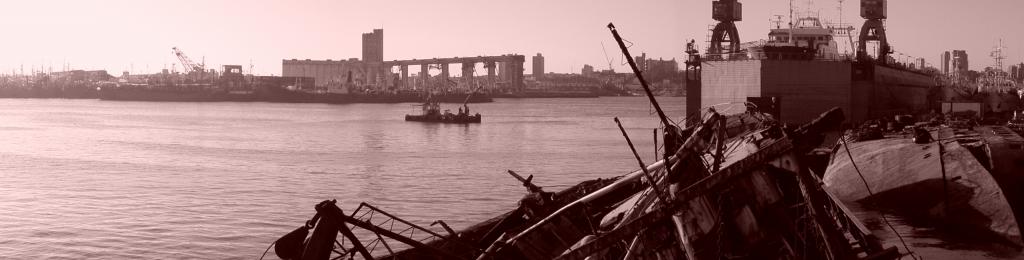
pixel 119 35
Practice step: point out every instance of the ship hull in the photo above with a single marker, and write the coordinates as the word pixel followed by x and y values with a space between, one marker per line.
pixel 949 186
pixel 449 119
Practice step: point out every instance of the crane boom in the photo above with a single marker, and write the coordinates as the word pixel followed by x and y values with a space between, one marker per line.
pixel 189 65
pixel 606 57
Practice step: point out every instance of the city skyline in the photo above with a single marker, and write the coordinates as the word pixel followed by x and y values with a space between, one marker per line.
pixel 138 36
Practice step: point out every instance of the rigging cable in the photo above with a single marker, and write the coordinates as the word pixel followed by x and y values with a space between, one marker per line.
pixel 868 187
pixel 268 250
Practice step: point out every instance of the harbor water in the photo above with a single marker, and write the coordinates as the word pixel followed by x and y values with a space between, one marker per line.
pixel 90 179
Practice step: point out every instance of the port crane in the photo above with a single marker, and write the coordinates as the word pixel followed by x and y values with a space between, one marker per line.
pixel 606 57
pixel 189 65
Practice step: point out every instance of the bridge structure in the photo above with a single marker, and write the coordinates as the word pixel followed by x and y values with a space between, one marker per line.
pixel 503 72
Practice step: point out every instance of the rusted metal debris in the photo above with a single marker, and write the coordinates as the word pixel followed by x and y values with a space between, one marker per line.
pixel 761 204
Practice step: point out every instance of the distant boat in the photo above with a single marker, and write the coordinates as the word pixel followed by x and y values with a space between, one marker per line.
pixel 432 113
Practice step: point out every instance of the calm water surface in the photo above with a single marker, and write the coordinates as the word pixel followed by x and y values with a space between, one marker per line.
pixel 127 180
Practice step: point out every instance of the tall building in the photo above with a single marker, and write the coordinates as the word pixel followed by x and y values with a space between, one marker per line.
pixel 538 66
pixel 1014 72
pixel 641 61
pixel 373 46
pixel 920 63
pixel 945 63
pixel 960 64
pixel 1017 72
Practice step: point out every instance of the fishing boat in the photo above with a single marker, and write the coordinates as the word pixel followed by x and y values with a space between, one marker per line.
pixel 431 112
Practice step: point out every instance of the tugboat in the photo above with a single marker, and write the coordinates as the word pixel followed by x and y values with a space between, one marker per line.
pixel 432 113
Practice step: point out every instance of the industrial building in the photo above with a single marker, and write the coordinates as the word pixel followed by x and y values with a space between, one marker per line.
pixel 373 73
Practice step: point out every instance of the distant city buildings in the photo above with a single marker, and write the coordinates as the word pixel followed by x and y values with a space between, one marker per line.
pixel 959 62
pixel 1017 73
pixel 373 73
pixel 538 66
pixel 657 70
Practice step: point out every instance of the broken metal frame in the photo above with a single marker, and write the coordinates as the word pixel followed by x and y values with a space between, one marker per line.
pixel 333 221
pixel 829 217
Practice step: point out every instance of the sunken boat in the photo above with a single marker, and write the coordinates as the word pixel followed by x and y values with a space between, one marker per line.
pixel 963 176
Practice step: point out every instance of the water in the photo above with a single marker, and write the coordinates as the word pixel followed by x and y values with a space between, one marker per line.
pixel 128 180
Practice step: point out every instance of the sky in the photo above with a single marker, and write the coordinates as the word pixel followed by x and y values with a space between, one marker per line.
pixel 137 35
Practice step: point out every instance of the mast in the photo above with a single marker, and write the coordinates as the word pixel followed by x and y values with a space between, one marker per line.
pixel 790 22
pixel 639 75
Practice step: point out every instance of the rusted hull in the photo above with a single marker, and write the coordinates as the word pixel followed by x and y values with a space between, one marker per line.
pixel 946 184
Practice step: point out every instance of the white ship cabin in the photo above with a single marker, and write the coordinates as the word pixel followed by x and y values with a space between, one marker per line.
pixel 807 33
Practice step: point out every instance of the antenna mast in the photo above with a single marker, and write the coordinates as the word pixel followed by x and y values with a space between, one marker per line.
pixel 997 54
pixel 841 11
pixel 791 21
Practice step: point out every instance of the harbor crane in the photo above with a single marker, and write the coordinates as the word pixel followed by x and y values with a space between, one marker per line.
pixel 606 57
pixel 189 65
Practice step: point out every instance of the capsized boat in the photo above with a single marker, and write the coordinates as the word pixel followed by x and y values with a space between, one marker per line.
pixel 939 173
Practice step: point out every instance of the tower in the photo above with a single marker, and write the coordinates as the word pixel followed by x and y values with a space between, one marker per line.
pixel 945 63
pixel 727 13
pixel 373 46
pixel 538 66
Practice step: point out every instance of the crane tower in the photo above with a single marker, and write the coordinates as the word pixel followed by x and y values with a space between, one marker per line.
pixel 873 30
pixel 726 12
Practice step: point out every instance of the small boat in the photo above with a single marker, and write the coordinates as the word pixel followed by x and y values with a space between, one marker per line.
pixel 432 113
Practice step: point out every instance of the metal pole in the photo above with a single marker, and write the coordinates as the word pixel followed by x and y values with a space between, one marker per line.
pixel 639 75
pixel 655 143
pixel 654 184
